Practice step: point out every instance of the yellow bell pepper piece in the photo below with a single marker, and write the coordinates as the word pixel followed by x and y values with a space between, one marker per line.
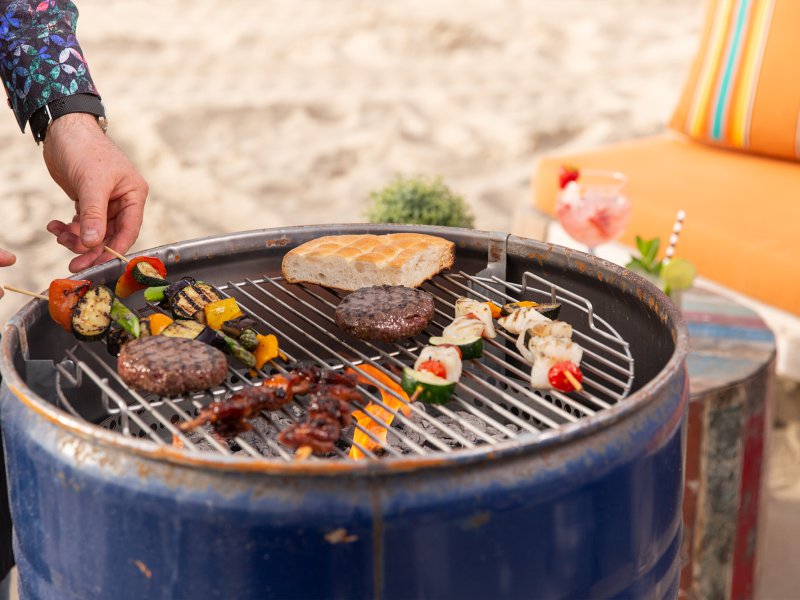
pixel 158 323
pixel 220 311
pixel 266 350
pixel 497 312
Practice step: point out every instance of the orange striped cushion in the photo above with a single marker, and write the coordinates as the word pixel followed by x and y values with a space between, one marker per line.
pixel 743 89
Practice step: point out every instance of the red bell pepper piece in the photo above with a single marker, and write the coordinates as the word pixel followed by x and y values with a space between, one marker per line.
pixel 63 295
pixel 126 284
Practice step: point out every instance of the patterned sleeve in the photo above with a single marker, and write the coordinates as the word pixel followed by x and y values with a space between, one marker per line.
pixel 40 59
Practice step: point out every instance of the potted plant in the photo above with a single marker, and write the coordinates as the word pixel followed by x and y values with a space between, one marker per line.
pixel 421 201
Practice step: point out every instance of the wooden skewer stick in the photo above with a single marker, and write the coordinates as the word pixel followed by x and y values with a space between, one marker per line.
pixel 117 254
pixel 11 288
pixel 575 383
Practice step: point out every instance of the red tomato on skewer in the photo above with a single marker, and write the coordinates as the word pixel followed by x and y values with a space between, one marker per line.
pixel 435 367
pixel 559 380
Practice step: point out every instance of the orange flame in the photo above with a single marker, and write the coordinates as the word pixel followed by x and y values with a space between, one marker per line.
pixel 363 417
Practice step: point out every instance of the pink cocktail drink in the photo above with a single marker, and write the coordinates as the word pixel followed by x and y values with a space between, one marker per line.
pixel 594 210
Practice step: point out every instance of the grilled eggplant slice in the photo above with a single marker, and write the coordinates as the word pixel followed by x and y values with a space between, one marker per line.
pixel 147 274
pixel 91 318
pixel 192 298
pixel 242 329
pixel 172 289
pixel 116 339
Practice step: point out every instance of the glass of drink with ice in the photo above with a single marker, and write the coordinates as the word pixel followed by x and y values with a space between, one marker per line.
pixel 594 209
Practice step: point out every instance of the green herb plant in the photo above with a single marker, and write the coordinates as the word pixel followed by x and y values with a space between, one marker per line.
pixel 673 275
pixel 421 201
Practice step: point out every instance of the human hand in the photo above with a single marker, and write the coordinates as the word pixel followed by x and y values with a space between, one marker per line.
pixel 6 260
pixel 108 191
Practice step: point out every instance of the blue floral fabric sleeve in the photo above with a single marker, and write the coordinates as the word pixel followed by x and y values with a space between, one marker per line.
pixel 40 59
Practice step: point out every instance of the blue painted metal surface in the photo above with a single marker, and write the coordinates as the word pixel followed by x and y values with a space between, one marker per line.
pixel 592 518
pixel 591 510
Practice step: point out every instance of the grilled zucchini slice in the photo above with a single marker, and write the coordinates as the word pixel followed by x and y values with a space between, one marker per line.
pixel 146 274
pixel 471 347
pixel 428 388
pixel 184 329
pixel 548 310
pixel 191 298
pixel 192 330
pixel 91 318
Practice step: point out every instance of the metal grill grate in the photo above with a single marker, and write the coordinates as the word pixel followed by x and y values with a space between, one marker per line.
pixel 493 401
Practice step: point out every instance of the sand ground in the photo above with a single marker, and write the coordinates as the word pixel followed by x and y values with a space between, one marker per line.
pixel 245 114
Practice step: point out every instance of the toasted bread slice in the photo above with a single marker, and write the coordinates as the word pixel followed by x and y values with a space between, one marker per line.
pixel 351 262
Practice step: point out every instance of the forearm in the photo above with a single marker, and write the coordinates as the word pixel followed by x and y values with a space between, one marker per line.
pixel 40 58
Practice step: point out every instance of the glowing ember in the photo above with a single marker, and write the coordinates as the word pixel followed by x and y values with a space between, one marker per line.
pixel 364 417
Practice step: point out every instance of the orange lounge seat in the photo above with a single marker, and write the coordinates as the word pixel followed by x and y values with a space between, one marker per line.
pixel 742 228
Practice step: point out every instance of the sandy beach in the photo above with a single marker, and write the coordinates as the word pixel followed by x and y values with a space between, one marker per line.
pixel 244 114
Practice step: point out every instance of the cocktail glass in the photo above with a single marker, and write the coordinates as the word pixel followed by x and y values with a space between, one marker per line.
pixel 594 209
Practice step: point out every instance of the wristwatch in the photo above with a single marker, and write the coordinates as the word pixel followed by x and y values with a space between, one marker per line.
pixel 80 103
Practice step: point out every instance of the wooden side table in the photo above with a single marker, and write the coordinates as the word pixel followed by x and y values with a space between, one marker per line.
pixel 731 376
pixel 731 367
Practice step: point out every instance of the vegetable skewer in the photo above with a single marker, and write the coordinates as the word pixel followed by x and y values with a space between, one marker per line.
pixel 547 345
pixel 88 318
pixel 140 272
pixel 438 368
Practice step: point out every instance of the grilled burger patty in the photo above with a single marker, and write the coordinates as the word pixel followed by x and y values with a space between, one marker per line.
pixel 168 366
pixel 385 313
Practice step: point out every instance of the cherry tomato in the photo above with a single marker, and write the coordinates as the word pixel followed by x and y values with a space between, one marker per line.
pixel 63 295
pixel 435 367
pixel 559 380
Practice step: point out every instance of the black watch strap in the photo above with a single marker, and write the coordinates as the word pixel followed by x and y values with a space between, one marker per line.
pixel 84 103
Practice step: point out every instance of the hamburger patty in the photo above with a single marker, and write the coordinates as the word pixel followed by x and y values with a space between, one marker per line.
pixel 385 313
pixel 168 366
